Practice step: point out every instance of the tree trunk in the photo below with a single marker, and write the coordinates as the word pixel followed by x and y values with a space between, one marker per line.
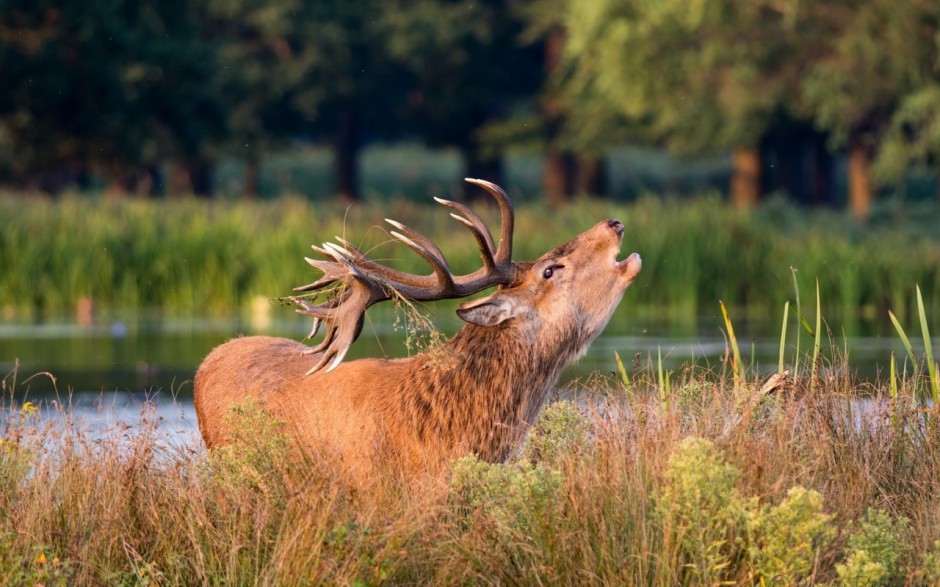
pixel 147 184
pixel 177 181
pixel 252 178
pixel 592 176
pixel 200 178
pixel 745 178
pixel 116 188
pixel 347 154
pixel 558 171
pixel 558 177
pixel 860 190
pixel 821 181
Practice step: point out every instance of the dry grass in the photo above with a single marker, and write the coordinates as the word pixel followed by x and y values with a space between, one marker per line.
pixel 706 484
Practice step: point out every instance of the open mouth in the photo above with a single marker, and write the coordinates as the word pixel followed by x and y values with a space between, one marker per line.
pixel 630 266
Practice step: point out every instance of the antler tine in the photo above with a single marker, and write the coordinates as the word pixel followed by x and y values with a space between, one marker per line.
pixel 429 251
pixel 360 282
pixel 477 228
pixel 504 249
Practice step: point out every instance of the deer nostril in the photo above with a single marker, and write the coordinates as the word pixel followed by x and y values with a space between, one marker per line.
pixel 616 225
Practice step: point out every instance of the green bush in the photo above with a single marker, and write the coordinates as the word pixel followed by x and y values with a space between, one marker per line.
pixel 561 431
pixel 786 540
pixel 875 550
pixel 511 494
pixel 702 513
pixel 258 456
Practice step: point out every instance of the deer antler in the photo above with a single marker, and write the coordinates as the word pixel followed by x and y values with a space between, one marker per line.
pixel 362 282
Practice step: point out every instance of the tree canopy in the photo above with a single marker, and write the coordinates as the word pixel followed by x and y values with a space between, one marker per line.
pixel 119 90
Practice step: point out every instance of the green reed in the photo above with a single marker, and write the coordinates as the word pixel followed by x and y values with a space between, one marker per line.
pixel 193 257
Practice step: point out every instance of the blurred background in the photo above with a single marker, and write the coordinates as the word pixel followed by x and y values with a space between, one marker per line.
pixel 165 164
pixel 830 102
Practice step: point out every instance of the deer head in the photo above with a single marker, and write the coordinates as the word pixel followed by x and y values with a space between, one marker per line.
pixel 584 272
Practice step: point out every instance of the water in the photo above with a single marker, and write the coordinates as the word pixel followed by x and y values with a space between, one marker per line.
pixel 107 368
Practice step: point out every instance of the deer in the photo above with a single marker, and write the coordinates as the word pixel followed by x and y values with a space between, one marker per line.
pixel 477 394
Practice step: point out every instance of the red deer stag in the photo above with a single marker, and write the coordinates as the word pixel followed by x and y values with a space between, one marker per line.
pixel 478 394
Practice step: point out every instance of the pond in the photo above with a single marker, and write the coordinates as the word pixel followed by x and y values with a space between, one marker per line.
pixel 106 368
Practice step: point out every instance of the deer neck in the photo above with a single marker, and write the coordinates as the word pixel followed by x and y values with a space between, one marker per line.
pixel 482 390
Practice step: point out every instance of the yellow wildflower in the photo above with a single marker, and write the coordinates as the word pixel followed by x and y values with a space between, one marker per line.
pixel 28 408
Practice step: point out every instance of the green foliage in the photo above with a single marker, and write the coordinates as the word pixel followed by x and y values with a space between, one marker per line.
pixel 713 528
pixel 931 563
pixel 515 495
pixel 675 72
pixel 561 431
pixel 258 455
pixel 786 540
pixel 107 87
pixel 913 137
pixel 702 513
pixel 875 549
pixel 37 566
pixel 867 63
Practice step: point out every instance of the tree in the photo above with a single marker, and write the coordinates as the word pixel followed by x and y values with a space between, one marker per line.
pixel 876 54
pixel 695 77
pixel 104 87
pixel 913 137
pixel 564 172
pixel 264 56
pixel 466 70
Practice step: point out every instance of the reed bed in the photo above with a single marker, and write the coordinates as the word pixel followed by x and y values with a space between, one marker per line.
pixel 188 257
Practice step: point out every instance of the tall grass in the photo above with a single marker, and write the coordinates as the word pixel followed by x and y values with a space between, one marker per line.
pixel 188 257
pixel 726 482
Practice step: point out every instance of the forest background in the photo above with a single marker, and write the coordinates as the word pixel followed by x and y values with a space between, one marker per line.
pixel 831 102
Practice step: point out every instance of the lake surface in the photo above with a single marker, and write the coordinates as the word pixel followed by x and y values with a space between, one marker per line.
pixel 107 367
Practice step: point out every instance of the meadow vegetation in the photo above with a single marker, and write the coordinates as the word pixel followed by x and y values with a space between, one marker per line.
pixel 191 257
pixel 726 476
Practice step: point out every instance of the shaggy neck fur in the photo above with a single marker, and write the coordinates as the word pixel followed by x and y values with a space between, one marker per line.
pixel 478 394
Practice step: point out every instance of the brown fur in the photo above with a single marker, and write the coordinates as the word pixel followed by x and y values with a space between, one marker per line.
pixel 478 394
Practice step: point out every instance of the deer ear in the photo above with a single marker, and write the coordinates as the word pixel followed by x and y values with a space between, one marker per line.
pixel 488 311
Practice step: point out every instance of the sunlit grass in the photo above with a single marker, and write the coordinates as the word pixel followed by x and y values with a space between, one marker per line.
pixel 701 476
pixel 694 479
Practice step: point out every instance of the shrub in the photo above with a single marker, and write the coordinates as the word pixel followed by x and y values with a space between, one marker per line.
pixel 509 494
pixel 702 513
pixel 875 550
pixel 258 455
pixel 786 539
pixel 560 431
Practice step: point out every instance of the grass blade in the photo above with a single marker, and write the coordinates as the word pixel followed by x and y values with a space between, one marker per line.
pixel 663 395
pixel 624 377
pixel 928 349
pixel 904 339
pixel 783 335
pixel 894 379
pixel 896 409
pixel 796 354
pixel 816 338
pixel 736 367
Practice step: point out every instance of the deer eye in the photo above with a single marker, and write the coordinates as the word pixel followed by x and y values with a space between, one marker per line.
pixel 547 274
